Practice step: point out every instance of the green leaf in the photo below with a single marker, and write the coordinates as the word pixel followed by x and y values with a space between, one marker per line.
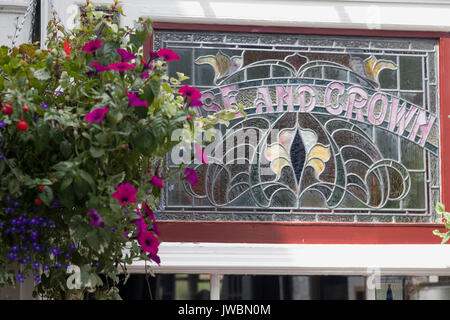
pixel 88 178
pixel 80 187
pixel 67 197
pixel 96 152
pixel 93 240
pixel 66 149
pixel 159 127
pixel 110 51
pixel 144 142
pixel 154 85
pixel 66 182
pixel 440 207
pixel 47 195
pixel 42 74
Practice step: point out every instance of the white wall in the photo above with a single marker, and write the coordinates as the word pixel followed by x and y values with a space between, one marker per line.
pixel 10 13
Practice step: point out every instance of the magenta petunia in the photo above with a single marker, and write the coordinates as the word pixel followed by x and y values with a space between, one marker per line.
pixel 200 154
pixel 125 55
pixel 190 92
pixel 155 229
pixel 96 219
pixel 154 257
pixel 196 103
pixel 153 55
pixel 121 66
pixel 92 46
pixel 145 75
pixel 190 175
pixel 157 181
pixel 146 66
pixel 99 67
pixel 148 242
pixel 148 211
pixel 96 115
pixel 125 194
pixel 135 101
pixel 168 54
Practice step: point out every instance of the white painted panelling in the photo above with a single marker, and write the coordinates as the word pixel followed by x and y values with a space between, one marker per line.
pixel 364 260
pixel 10 14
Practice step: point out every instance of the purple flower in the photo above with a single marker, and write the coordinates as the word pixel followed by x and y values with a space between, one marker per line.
pixel 12 256
pixel 196 103
pixel 125 55
pixel 34 235
pixel 36 265
pixel 153 55
pixel 96 115
pixel 59 93
pixel 125 194
pixel 92 46
pixel 10 210
pixel 45 267
pixel 58 265
pixel 112 229
pixel 96 219
pixel 190 175
pixel 36 246
pixel 19 278
pixel 154 257
pixel 157 181
pixel 54 251
pixel 14 248
pixel 2 124
pixel 99 67
pixel 67 255
pixel 37 278
pixel 145 75
pixel 72 247
pixel 135 101
pixel 44 106
pixel 96 265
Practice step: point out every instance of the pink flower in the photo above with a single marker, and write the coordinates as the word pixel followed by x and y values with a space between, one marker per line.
pixel 168 54
pixel 148 211
pixel 96 219
pixel 153 55
pixel 146 65
pixel 135 101
pixel 196 103
pixel 92 46
pixel 121 66
pixel 190 92
pixel 154 257
pixel 125 194
pixel 200 154
pixel 157 181
pixel 148 242
pixel 145 75
pixel 99 67
pixel 140 223
pixel 155 229
pixel 96 115
pixel 190 176
pixel 125 55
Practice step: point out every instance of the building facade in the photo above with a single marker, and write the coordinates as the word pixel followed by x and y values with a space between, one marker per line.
pixel 326 190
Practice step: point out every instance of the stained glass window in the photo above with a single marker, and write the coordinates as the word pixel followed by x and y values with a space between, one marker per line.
pixel 340 129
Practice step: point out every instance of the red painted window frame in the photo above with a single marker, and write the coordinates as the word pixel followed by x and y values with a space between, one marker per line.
pixel 320 232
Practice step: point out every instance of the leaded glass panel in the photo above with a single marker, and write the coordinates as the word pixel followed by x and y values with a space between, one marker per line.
pixel 341 129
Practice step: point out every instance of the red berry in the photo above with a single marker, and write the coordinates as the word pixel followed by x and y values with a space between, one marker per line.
pixel 188 117
pixel 26 108
pixel 22 125
pixel 8 109
pixel 37 201
pixel 41 188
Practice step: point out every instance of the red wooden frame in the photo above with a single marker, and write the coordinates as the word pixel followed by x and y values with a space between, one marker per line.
pixel 320 233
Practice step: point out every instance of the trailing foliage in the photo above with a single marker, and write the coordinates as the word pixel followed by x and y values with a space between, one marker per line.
pixel 85 126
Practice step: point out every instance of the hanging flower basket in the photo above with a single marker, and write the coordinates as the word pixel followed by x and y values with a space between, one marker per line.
pixel 85 125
